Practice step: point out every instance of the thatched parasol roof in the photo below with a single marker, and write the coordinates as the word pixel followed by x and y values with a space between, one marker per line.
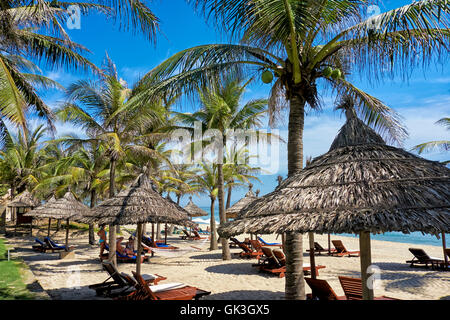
pixel 25 199
pixel 67 207
pixel 361 184
pixel 249 197
pixel 137 204
pixel 193 210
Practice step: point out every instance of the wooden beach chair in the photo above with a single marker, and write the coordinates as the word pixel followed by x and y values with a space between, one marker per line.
pixel 40 246
pixel 124 258
pixel 120 283
pixel 198 236
pixel 266 244
pixel 269 263
pixel 169 291
pixel 318 249
pixel 342 251
pixel 321 290
pixel 353 289
pixel 246 252
pixel 187 235
pixel 55 246
pixel 422 259
pixel 149 242
pixel 277 263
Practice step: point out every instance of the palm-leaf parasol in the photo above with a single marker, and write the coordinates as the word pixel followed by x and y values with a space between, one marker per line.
pixel 360 186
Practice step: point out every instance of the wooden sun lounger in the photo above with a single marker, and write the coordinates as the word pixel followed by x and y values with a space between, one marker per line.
pixel 121 257
pixel 41 246
pixel 247 252
pixel 187 236
pixel 198 236
pixel 353 289
pixel 120 283
pixel 178 292
pixel 341 250
pixel 53 246
pixel 318 249
pixel 321 290
pixel 277 264
pixel 422 259
pixel 149 242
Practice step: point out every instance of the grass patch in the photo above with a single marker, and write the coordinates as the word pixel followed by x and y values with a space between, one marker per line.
pixel 12 286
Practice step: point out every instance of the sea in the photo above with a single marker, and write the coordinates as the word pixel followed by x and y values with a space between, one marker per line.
pixel 412 238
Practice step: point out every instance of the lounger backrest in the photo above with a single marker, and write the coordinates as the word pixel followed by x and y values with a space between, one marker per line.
pixel 244 247
pixel 262 241
pixel 143 286
pixel 321 289
pixel 113 272
pixel 419 254
pixel 339 245
pixel 235 240
pixel 268 252
pixel 317 246
pixel 279 254
pixel 352 287
pixel 39 241
pixel 187 233
pixel 256 245
pixel 50 243
pixel 195 232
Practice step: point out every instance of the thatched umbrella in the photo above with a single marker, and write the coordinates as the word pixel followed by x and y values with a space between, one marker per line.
pixel 360 186
pixel 20 204
pixel 193 210
pixel 65 208
pixel 138 204
pixel 249 197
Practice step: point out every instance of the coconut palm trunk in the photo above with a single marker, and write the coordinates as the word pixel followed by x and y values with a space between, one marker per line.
pixel 112 229
pixel 91 225
pixel 294 286
pixel 230 189
pixel 226 255
pixel 213 238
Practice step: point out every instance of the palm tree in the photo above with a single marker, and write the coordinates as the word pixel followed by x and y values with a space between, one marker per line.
pixel 238 171
pixel 20 160
pixel 208 184
pixel 33 29
pixel 302 43
pixel 440 144
pixel 221 110
pixel 107 121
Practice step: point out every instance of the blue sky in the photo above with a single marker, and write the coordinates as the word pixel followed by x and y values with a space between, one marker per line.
pixel 421 101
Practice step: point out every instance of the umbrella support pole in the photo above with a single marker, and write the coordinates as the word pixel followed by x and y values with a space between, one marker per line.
pixel 67 234
pixel 49 224
pixel 311 256
pixel 366 261
pixel 443 248
pixel 139 248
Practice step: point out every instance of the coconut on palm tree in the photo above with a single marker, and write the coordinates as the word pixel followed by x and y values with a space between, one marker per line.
pixel 304 44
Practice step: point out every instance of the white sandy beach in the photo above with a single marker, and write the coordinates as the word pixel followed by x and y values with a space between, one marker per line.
pixel 236 279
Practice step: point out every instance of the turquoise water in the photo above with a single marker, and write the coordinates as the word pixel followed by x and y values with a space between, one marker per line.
pixel 413 238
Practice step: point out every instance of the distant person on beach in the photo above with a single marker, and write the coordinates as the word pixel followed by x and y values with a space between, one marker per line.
pixel 129 248
pixel 102 241
pixel 121 249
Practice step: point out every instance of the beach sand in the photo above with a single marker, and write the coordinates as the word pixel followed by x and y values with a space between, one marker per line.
pixel 236 279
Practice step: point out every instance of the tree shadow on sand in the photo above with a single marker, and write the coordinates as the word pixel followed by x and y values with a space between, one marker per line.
pixel 237 269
